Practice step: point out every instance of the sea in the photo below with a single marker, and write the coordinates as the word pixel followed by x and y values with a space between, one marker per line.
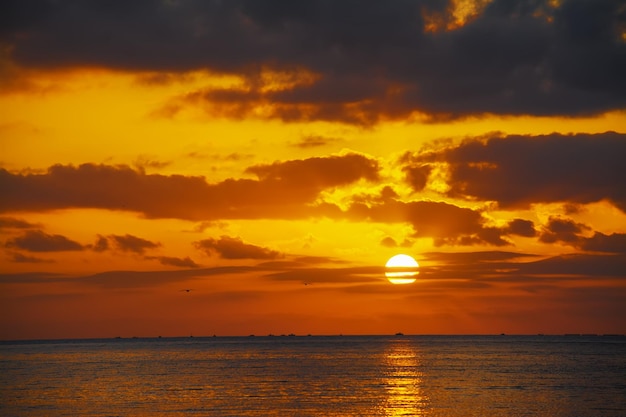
pixel 397 375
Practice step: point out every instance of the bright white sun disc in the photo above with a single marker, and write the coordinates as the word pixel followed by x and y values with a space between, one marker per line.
pixel 401 269
pixel 402 260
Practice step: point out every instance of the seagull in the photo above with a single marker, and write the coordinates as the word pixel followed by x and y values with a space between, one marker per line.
pixel 306 283
pixel 187 289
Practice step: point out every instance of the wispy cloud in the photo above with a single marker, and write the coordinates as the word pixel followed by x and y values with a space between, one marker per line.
pixel 186 262
pixel 14 223
pixel 39 241
pixel 234 248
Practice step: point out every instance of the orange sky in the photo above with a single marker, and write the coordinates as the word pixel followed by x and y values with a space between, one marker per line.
pixel 243 150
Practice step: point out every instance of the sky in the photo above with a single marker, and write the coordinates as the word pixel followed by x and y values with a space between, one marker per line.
pixel 187 167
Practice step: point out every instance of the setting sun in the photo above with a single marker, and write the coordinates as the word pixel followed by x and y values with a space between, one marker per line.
pixel 401 269
pixel 177 176
pixel 244 149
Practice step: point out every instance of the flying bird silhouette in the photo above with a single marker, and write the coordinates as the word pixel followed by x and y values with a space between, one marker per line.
pixel 187 289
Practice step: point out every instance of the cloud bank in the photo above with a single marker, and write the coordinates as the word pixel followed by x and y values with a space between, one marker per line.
pixel 352 61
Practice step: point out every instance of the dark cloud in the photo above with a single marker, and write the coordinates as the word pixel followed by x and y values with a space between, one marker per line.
pixel 372 60
pixel 526 272
pixel 235 156
pixel 417 176
pixel 234 248
pixel 517 171
pixel 283 189
pixel 569 232
pixel 446 223
pixel 128 279
pixel 13 223
pixel 475 257
pixel 143 279
pixel 584 265
pixel 389 242
pixel 186 262
pixel 367 274
pixel 316 260
pixel 143 162
pixel 521 227
pixel 319 172
pixel 599 242
pixel 386 195
pixel 101 245
pixel 39 241
pixel 21 258
pixel 32 278
pixel 562 230
pixel 314 141
pixel 202 226
pixel 130 243
pixel 291 189
pixel 445 271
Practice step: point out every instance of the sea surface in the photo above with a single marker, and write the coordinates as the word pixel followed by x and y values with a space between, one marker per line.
pixel 316 376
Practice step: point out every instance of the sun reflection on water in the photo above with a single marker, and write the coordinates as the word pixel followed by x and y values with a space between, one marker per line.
pixel 403 381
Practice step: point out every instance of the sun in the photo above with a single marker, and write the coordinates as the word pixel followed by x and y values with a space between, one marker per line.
pixel 401 269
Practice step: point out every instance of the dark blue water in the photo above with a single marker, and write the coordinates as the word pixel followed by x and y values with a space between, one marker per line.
pixel 316 376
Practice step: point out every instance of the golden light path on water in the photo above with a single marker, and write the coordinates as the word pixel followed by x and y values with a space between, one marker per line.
pixel 403 381
pixel 401 269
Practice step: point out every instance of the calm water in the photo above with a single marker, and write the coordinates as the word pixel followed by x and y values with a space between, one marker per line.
pixel 316 376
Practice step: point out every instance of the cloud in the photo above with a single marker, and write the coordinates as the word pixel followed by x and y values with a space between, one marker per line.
pixel 128 279
pixel 13 223
pixel 517 171
pixel 370 60
pixel 319 172
pixel 292 189
pixel 281 190
pixel 417 176
pixel 599 242
pixel 521 227
pixel 202 226
pixel 390 242
pixel 39 241
pixel 32 278
pixel 446 223
pixel 583 265
pixel 523 271
pixel 444 271
pixel 314 141
pixel 101 245
pixel 316 260
pixel 345 275
pixel 130 243
pixel 562 230
pixel 143 161
pixel 474 257
pixel 21 258
pixel 143 279
pixel 186 262
pixel 568 232
pixel 235 248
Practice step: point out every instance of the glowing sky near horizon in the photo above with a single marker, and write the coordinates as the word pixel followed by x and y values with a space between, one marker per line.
pixel 273 155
